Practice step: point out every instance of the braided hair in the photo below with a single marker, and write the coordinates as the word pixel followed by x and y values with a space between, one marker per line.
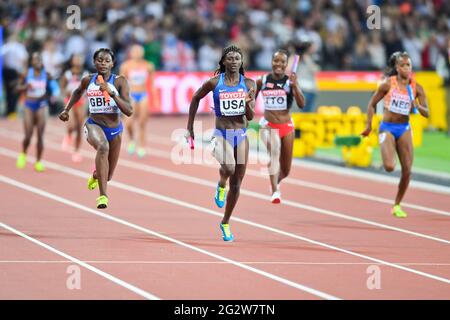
pixel 390 69
pixel 107 50
pixel 225 51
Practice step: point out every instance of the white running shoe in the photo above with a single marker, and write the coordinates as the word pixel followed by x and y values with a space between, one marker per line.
pixel 276 197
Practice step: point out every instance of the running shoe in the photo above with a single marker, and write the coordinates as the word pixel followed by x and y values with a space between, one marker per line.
pixel 398 212
pixel 39 167
pixel 220 196
pixel 226 232
pixel 141 152
pixel 102 202
pixel 92 182
pixel 131 147
pixel 21 160
pixel 276 197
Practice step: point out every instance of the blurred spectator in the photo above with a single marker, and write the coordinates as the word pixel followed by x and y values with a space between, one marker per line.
pixel 15 62
pixel 52 58
pixel 361 56
pixel 208 55
pixel 306 73
pixel 443 69
pixel 257 26
pixel 377 51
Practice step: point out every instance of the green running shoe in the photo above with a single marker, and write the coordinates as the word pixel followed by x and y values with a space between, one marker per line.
pixel 398 212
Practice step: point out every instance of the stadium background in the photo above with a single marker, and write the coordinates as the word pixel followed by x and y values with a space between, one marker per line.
pixel 341 57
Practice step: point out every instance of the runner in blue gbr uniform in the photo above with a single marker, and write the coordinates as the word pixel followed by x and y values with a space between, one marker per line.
pixel 36 84
pixel 103 128
pixel 234 101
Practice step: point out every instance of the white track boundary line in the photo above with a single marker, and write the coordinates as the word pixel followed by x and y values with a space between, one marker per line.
pixel 265 274
pixel 101 273
pixel 211 212
pixel 174 262
pixel 302 183
pixel 199 181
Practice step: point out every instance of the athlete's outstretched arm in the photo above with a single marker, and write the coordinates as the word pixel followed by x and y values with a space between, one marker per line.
pixel 423 105
pixel 382 90
pixel 198 95
pixel 74 97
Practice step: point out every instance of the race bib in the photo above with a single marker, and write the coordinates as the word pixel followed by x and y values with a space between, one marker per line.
pixel 400 103
pixel 274 99
pixel 98 104
pixel 232 103
pixel 137 77
pixel 37 88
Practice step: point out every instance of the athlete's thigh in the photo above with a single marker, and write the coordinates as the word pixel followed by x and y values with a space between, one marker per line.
pixel 94 135
pixel 405 149
pixel 142 107
pixel 79 114
pixel 287 146
pixel 223 152
pixel 241 154
pixel 41 118
pixel 28 121
pixel 114 152
pixel 387 147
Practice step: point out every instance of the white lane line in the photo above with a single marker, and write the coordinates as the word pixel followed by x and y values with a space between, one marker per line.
pixel 210 212
pixel 65 201
pixel 302 183
pixel 199 181
pixel 101 273
pixel 343 171
pixel 170 262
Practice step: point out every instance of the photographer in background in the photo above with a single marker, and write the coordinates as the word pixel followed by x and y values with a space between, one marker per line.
pixel 306 72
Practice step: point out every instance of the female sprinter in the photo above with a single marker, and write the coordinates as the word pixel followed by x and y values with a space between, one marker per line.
pixel 138 71
pixel 277 128
pixel 35 84
pixel 103 128
pixel 70 80
pixel 234 102
pixel 395 131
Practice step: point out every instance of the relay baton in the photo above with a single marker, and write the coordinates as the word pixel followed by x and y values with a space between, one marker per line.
pixel 105 93
pixel 411 97
pixel 191 142
pixel 295 64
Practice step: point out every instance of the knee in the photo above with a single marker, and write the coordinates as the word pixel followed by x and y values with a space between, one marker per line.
pixel 285 171
pixel 229 169
pixel 389 167
pixel 103 147
pixel 235 186
pixel 406 172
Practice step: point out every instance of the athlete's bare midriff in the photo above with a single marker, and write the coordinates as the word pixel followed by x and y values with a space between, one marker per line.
pixel 277 117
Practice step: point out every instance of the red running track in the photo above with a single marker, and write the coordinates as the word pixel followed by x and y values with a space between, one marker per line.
pixel 160 236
